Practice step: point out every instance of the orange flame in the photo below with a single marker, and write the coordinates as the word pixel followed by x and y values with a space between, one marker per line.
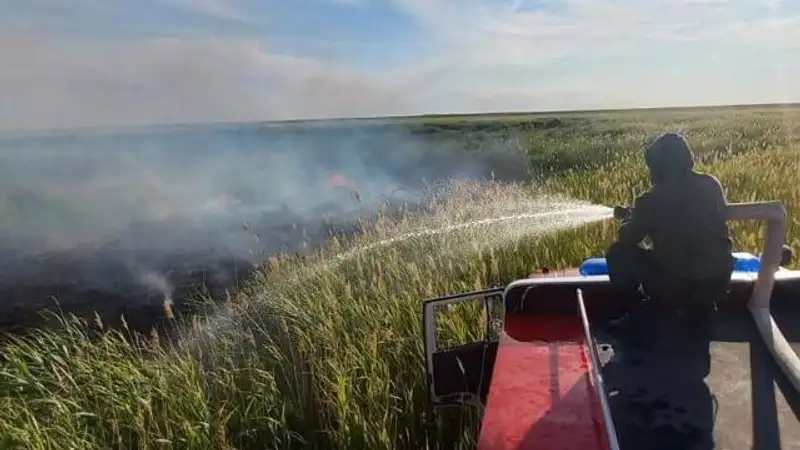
pixel 335 180
pixel 338 180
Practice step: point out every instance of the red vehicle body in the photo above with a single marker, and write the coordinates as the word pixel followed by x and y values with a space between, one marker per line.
pixel 547 374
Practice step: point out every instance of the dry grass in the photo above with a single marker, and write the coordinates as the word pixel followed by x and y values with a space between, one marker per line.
pixel 326 352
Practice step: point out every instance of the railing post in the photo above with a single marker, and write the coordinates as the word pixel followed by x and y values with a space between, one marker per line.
pixel 774 216
pixel 596 375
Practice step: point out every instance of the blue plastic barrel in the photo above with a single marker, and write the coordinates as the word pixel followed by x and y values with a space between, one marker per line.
pixel 594 266
pixel 746 262
pixel 743 262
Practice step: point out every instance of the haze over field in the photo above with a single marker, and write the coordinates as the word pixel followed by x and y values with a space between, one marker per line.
pixel 59 190
pixel 93 217
pixel 104 63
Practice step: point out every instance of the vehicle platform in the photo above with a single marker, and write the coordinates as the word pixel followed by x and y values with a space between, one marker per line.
pixel 685 391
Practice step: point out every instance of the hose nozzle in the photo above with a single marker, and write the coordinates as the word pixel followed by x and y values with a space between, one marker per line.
pixel 622 212
pixel 787 255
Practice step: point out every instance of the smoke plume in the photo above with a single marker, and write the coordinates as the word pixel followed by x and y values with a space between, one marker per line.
pixel 127 217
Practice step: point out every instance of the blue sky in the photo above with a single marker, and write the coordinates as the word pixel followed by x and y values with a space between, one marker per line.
pixel 114 62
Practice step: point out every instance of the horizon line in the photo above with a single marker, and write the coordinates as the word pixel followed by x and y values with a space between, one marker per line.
pixel 41 132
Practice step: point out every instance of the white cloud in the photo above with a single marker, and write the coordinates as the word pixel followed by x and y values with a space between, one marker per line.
pixel 479 55
pixel 223 9
pixel 579 27
pixel 587 38
pixel 54 83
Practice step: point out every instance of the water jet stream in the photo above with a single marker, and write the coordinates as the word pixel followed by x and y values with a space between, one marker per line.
pixel 558 220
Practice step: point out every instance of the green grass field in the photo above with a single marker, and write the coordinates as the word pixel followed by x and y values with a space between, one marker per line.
pixel 323 353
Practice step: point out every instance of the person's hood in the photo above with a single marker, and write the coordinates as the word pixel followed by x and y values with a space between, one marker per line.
pixel 669 156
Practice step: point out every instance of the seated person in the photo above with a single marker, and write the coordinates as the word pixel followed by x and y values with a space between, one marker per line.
pixel 684 217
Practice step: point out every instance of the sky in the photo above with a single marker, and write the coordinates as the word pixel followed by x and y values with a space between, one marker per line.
pixel 75 63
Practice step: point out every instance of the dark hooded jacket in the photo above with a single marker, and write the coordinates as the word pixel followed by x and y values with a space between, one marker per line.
pixel 683 214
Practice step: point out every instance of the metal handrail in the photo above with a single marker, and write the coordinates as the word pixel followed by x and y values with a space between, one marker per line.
pixel 597 377
pixel 774 214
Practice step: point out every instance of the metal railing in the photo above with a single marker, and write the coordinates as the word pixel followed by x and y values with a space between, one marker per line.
pixel 774 215
pixel 597 377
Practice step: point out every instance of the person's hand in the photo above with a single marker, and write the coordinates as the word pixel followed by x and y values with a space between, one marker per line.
pixel 787 255
pixel 622 212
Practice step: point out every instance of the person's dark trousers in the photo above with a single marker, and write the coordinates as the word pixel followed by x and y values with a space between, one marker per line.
pixel 630 267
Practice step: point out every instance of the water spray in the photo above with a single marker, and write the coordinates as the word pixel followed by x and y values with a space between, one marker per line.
pixel 543 216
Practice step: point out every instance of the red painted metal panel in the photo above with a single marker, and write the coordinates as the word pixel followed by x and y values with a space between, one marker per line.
pixel 541 396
